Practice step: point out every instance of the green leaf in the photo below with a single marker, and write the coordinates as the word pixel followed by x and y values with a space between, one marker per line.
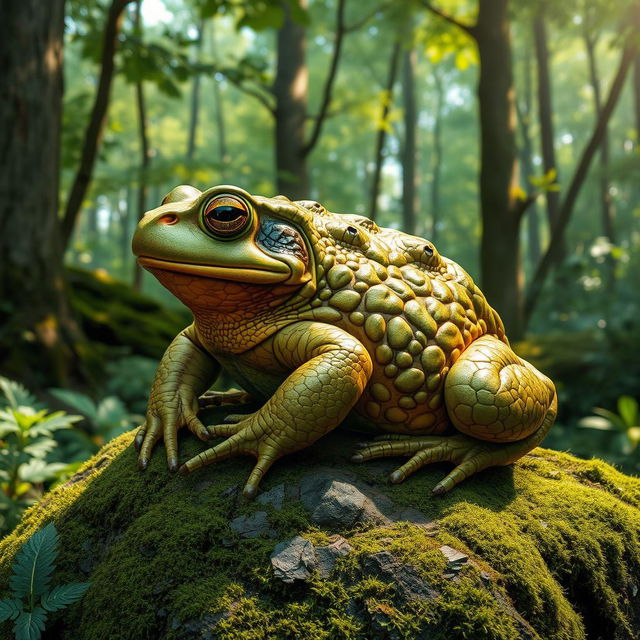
pixel 30 624
pixel 614 418
pixel 64 595
pixel 595 422
pixel 628 410
pixel 54 422
pixel 78 401
pixel 33 564
pixel 10 609
pixel 41 447
pixel 37 470
pixel 111 412
pixel 16 394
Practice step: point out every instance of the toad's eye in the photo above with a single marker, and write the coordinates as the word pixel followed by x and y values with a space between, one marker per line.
pixel 226 215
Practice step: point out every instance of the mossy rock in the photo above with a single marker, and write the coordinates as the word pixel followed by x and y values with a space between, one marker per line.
pixel 547 548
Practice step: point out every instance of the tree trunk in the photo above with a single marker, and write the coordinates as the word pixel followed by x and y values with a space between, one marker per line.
pixel 38 335
pixel 145 151
pixel 581 173
pixel 409 152
pixel 436 156
pixel 382 130
pixel 606 201
pixel 195 98
pixel 526 162
pixel 219 115
pixel 636 96
pixel 290 89
pixel 501 269
pixel 545 115
pixel 95 127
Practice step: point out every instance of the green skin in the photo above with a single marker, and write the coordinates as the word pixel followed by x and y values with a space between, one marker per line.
pixel 318 315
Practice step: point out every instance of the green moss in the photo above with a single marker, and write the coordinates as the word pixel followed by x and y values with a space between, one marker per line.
pixel 556 537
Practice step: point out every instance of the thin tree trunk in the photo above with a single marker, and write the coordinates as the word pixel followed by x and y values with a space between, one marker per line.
pixel 436 156
pixel 38 335
pixel 125 232
pixel 145 151
pixel 606 201
pixel 526 162
pixel 382 129
pixel 580 174
pixel 195 98
pixel 545 115
pixel 501 268
pixel 409 155
pixel 95 127
pixel 291 92
pixel 219 115
pixel 636 96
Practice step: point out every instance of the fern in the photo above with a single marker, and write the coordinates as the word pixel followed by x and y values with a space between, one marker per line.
pixel 33 566
pixel 32 600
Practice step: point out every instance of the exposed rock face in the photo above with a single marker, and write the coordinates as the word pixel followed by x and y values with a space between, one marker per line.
pixel 549 549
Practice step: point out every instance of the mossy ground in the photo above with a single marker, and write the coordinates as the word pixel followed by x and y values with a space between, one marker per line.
pixel 558 536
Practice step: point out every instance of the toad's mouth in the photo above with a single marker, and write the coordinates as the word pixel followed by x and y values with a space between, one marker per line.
pixel 218 272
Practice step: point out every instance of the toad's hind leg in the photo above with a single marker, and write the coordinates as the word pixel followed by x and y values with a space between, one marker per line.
pixel 493 395
pixel 502 405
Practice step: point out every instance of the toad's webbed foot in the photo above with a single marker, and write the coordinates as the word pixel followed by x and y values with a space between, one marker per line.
pixel 468 454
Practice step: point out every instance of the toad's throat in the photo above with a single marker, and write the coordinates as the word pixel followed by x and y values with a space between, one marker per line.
pixel 237 274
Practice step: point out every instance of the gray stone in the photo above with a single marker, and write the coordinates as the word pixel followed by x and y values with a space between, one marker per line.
pixel 252 526
pixel 293 560
pixel 274 497
pixel 327 555
pixel 337 504
pixel 455 558
pixel 405 579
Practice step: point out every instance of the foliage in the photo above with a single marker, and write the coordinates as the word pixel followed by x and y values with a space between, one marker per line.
pixel 626 423
pixel 32 598
pixel 27 440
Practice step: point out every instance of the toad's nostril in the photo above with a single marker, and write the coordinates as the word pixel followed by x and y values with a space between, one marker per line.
pixel 168 218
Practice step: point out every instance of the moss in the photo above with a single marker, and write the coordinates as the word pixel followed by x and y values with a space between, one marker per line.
pixel 554 536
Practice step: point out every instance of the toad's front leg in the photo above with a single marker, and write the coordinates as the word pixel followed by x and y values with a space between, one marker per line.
pixel 331 370
pixel 185 371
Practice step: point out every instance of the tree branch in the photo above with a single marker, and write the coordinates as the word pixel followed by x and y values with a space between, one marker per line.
pixel 331 76
pixel 360 23
pixel 253 92
pixel 467 28
pixel 557 232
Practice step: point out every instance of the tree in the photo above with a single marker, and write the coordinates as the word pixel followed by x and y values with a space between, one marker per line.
pixel 501 208
pixel 409 150
pixel 95 126
pixel 545 116
pixel 38 336
pixel 385 106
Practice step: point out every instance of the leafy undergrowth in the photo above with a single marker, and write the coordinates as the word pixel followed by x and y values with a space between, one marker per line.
pixel 557 536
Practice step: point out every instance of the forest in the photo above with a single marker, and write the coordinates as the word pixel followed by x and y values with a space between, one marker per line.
pixel 506 133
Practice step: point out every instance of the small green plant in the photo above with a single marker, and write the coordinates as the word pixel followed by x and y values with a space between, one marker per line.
pixel 107 418
pixel 626 422
pixel 26 440
pixel 32 598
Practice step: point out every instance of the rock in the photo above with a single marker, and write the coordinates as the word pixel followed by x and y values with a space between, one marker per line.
pixel 327 555
pixel 293 560
pixel 406 582
pixel 455 559
pixel 253 525
pixel 275 497
pixel 336 504
pixel 151 546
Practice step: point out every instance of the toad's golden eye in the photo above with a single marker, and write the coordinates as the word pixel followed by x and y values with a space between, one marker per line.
pixel 226 215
